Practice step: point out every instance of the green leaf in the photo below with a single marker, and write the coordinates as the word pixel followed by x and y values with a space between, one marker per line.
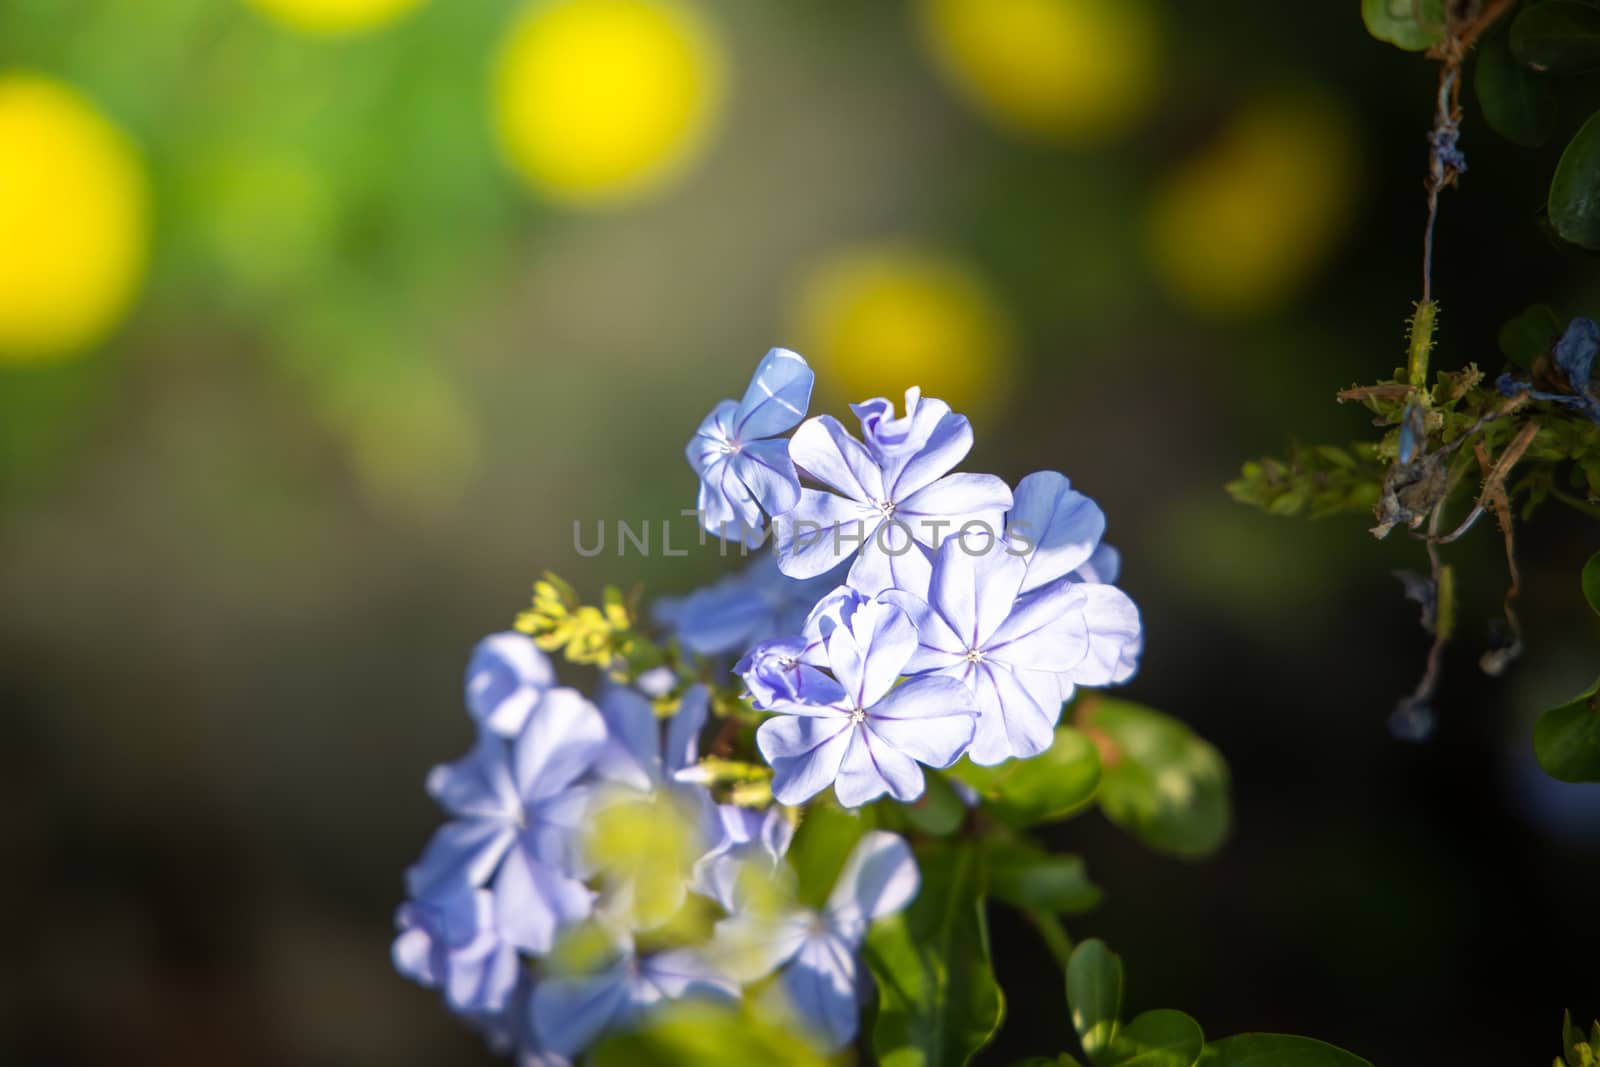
pixel 1575 189
pixel 1567 739
pixel 821 845
pixel 1517 104
pixel 1530 335
pixel 1026 876
pixel 1094 993
pixel 1161 1038
pixel 1410 24
pixel 1591 582
pixel 1161 782
pixel 698 1034
pixel 938 1002
pixel 938 811
pixel 1276 1050
pixel 1052 785
pixel 1570 1036
pixel 1560 36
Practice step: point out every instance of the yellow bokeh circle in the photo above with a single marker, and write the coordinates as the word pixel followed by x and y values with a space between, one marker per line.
pixel 599 101
pixel 1051 69
pixel 879 320
pixel 1240 227
pixel 73 221
pixel 335 16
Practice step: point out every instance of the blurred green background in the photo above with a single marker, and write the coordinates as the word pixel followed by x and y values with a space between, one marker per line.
pixel 322 321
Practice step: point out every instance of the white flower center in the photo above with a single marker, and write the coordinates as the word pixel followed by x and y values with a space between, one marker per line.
pixel 974 655
pixel 858 716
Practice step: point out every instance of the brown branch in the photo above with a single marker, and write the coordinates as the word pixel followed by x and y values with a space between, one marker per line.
pixel 1496 660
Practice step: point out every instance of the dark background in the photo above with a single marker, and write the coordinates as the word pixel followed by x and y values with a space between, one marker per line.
pixel 238 604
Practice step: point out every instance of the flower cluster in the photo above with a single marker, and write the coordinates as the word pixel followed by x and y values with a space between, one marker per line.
pixel 968 615
pixel 587 874
pixel 596 865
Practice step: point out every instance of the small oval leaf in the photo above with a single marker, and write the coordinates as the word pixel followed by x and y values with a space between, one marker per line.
pixel 1161 781
pixel 1575 189
pixel 1277 1050
pixel 1559 36
pixel 1517 104
pixel 1566 740
pixel 1161 1038
pixel 1591 582
pixel 1094 993
pixel 1058 782
pixel 1530 335
pixel 1410 24
pixel 1026 876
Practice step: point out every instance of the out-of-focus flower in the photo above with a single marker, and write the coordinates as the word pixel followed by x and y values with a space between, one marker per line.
pixel 1052 69
pixel 744 467
pixel 751 845
pixel 334 16
pixel 518 814
pixel 1574 356
pixel 880 319
pixel 506 678
pixel 1243 225
pixel 819 953
pixel 451 943
pixel 758 603
pixel 644 846
pixel 570 1011
pixel 74 221
pixel 865 735
pixel 638 753
pixel 599 101
pixel 885 497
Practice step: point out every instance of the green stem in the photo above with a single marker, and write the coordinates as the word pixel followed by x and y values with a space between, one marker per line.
pixel 1054 933
pixel 1592 510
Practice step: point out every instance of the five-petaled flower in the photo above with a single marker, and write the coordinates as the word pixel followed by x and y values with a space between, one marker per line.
pixel 819 952
pixel 858 731
pixel 886 497
pixel 745 471
pixel 506 678
pixel 518 811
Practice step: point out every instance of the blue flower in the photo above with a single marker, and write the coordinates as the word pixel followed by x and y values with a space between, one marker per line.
pixel 451 943
pixel 1011 650
pixel 570 1011
pixel 510 1030
pixel 790 668
pixel 744 470
pixel 742 609
pixel 747 841
pixel 1058 528
pixel 638 752
pixel 819 953
pixel 1062 523
pixel 886 497
pixel 506 677
pixel 1576 350
pixel 858 731
pixel 518 809
pixel 1574 355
